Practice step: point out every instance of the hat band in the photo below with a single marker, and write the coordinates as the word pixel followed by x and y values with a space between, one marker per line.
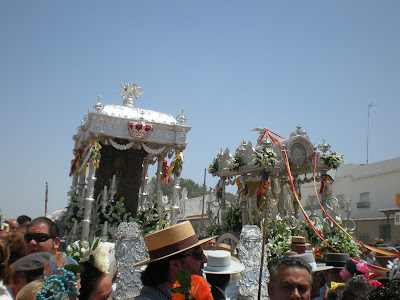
pixel 299 243
pixel 218 269
pixel 169 249
pixel 337 264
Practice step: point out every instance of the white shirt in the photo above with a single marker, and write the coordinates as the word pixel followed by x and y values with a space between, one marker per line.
pixel 4 292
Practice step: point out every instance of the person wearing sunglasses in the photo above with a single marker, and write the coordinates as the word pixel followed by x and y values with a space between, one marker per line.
pixel 171 250
pixel 42 235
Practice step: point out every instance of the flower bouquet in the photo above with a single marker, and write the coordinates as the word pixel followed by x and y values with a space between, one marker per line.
pixel 264 157
pixel 77 249
pixel 235 162
pixel 213 166
pixel 189 287
pixel 332 159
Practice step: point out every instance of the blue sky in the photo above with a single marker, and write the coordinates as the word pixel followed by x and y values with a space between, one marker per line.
pixel 233 65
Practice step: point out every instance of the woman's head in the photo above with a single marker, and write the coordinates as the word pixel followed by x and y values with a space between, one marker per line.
pixel 95 285
pixel 6 272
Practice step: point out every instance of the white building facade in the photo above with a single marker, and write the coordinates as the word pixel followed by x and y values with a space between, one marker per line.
pixel 374 194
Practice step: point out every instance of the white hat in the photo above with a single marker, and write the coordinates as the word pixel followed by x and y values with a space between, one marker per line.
pixel 309 258
pixel 220 262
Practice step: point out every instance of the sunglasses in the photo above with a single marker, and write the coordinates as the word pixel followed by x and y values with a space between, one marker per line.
pixel 197 254
pixel 37 237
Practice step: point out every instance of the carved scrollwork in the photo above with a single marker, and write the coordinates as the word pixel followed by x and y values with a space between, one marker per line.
pixel 129 249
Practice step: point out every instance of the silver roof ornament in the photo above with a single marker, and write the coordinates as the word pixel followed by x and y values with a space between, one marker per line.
pixel 128 92
pixel 181 118
pixel 98 106
pixel 324 147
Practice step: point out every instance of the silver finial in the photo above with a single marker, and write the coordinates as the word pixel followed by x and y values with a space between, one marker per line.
pixel 98 106
pixel 324 147
pixel 181 118
pixel 128 92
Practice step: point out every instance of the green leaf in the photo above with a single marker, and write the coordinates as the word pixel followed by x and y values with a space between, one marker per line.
pixel 74 268
pixel 184 279
pixel 179 290
pixel 96 243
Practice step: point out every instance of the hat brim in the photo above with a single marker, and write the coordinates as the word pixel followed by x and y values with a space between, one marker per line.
pixel 322 268
pixel 234 267
pixel 150 260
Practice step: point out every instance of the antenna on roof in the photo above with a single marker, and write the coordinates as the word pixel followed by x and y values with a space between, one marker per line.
pixel 369 107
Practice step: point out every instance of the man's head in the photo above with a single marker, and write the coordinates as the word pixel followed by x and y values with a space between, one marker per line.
pixel 173 249
pixel 41 235
pixel 27 269
pixel 299 244
pixel 338 262
pixel 290 278
pixel 220 266
pixel 23 220
pixel 13 224
pixel 383 259
pixel 209 245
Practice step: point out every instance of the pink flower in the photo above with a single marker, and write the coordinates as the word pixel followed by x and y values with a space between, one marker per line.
pixel 363 268
pixel 344 274
pixel 376 283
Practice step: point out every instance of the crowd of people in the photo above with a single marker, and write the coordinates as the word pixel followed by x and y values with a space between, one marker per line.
pixel 32 267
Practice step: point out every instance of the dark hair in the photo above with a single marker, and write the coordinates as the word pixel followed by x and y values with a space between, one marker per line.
pixel 391 291
pixel 6 272
pixel 291 262
pixel 337 293
pixel 157 272
pixel 90 278
pixel 22 219
pixel 219 280
pixel 16 243
pixel 53 228
pixel 357 288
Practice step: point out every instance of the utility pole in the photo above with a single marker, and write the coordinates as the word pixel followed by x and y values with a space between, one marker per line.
pixel 369 107
pixel 204 196
pixel 46 200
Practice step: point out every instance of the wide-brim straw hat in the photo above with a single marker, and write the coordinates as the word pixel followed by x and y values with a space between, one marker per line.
pixel 221 262
pixel 170 241
pixel 309 258
pixel 299 241
pixel 380 255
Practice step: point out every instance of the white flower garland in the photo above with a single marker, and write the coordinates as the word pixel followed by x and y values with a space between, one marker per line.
pixel 120 146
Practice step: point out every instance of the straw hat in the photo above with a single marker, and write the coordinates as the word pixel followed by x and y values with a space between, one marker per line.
pixel 221 262
pixel 289 253
pixel 222 246
pixel 170 241
pixel 299 241
pixel 309 258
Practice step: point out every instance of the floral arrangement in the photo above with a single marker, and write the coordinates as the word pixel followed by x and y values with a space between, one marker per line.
pixel 147 217
pixel 334 237
pixel 213 166
pixel 190 287
pixel 232 219
pixel 332 159
pixel 77 249
pixel 95 152
pixel 306 230
pixel 119 214
pixel 235 162
pixel 264 157
pixel 277 238
pixel 73 213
